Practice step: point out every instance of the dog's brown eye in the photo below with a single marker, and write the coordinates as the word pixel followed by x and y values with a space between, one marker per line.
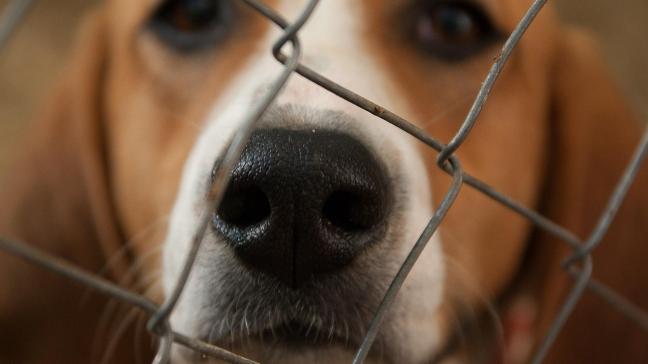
pixel 189 25
pixel 453 30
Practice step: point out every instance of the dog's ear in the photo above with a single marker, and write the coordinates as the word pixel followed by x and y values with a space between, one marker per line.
pixel 593 135
pixel 56 198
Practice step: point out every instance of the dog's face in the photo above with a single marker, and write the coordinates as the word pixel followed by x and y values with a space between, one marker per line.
pixel 328 199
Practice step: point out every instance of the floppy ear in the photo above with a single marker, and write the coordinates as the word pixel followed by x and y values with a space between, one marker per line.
pixel 56 198
pixel 593 136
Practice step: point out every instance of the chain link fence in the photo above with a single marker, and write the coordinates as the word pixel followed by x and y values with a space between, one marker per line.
pixel 578 265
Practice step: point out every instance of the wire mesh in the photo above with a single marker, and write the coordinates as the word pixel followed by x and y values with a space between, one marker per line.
pixel 579 265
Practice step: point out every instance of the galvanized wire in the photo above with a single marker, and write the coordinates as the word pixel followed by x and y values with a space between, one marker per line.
pixel 222 174
pixel 411 259
pixel 12 15
pixel 615 202
pixel 60 267
pixel 491 78
pixel 563 314
pixel 158 323
pixel 584 276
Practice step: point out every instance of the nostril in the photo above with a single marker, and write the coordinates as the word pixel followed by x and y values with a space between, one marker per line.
pixel 301 204
pixel 351 211
pixel 244 207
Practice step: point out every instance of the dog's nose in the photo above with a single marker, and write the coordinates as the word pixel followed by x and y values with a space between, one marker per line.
pixel 303 203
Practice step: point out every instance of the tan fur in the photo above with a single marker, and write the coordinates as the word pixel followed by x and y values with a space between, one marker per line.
pixel 552 105
pixel 101 168
pixel 593 137
pixel 57 199
pixel 104 163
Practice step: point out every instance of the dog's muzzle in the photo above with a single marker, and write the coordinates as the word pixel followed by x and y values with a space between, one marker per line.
pixel 303 203
pixel 317 218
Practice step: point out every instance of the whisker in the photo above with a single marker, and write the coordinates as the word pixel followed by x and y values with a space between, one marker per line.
pixel 119 333
pixel 458 324
pixel 125 279
pixel 113 304
pixel 464 278
pixel 140 325
pixel 210 336
pixel 464 100
pixel 126 247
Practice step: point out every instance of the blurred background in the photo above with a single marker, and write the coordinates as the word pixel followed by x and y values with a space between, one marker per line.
pixel 33 58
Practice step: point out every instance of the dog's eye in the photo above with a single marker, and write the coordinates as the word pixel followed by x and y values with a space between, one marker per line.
pixel 453 30
pixel 190 25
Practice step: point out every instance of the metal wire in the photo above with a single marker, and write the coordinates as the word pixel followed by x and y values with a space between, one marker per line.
pixel 222 174
pixel 615 202
pixel 59 266
pixel 491 78
pixel 411 259
pixel 158 323
pixel 567 308
pixel 12 15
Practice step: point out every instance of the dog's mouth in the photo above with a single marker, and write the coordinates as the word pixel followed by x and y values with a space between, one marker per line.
pixel 290 337
pixel 291 334
pixel 299 334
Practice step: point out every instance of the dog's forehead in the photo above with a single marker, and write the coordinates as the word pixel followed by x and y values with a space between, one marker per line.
pixel 358 12
pixel 500 10
pixel 349 42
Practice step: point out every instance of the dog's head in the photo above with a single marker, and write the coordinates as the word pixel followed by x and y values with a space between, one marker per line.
pixel 327 199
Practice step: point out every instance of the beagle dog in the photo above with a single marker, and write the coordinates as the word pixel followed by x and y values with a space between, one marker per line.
pixel 327 199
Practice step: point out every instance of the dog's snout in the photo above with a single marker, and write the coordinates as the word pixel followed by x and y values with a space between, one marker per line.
pixel 303 203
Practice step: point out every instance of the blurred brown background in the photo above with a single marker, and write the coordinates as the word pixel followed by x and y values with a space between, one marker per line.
pixel 33 57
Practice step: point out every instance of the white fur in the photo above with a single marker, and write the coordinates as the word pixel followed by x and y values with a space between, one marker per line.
pixel 333 45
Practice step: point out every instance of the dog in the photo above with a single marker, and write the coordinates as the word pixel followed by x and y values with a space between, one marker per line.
pixel 327 199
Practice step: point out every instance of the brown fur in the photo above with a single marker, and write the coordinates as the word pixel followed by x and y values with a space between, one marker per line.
pixel 104 163
pixel 566 143
pixel 594 135
pixel 57 199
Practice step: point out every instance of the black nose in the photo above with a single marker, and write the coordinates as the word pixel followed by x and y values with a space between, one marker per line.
pixel 302 203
